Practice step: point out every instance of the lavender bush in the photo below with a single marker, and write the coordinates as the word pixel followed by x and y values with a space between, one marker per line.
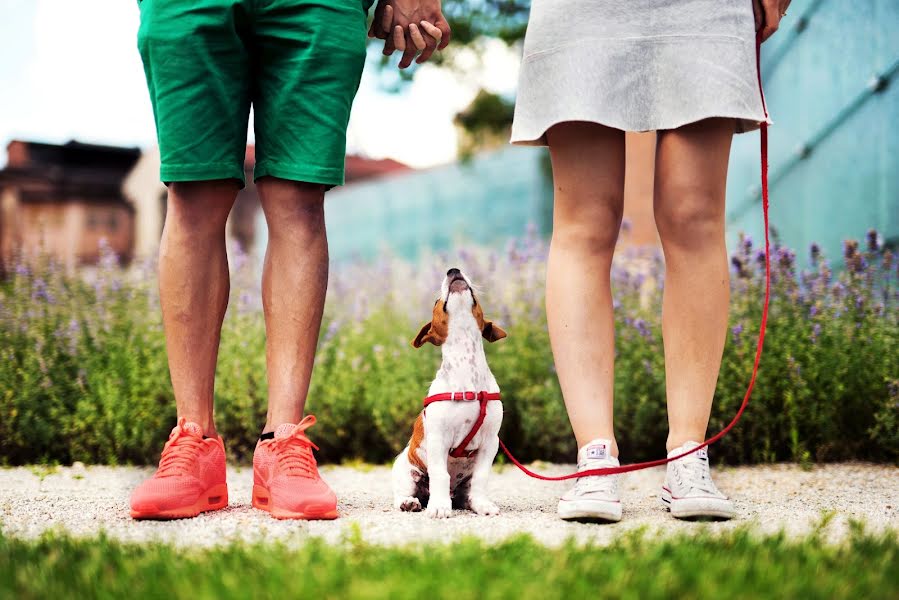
pixel 83 374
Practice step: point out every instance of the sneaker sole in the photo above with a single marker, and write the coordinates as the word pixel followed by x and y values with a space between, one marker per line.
pixel 214 498
pixel 591 511
pixel 697 508
pixel 262 501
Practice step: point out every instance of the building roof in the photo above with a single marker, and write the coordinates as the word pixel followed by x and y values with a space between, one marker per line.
pixel 358 168
pixel 54 172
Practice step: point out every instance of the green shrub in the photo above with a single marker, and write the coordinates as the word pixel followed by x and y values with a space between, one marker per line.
pixel 83 372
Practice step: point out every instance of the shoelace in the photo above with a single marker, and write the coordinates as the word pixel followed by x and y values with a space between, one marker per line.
pixel 295 451
pixel 180 454
pixel 596 483
pixel 698 475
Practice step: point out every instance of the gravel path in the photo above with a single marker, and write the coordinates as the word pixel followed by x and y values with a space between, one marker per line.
pixel 84 501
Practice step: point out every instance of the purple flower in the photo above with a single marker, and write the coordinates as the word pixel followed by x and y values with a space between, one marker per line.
pixel 874 241
pixel 40 292
pixel 642 328
pixel 333 326
pixel 735 331
pixel 246 300
pixel 813 310
pixel 816 332
pixel 815 251
pixel 760 258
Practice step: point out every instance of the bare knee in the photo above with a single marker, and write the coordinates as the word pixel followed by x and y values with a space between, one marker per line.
pixel 292 206
pixel 590 229
pixel 199 208
pixel 689 216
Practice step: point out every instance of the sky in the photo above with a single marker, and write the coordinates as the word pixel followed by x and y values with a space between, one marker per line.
pixel 71 70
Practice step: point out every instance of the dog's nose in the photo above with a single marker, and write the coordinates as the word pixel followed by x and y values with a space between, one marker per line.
pixel 453 272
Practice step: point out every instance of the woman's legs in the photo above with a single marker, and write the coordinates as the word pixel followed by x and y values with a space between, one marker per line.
pixel 691 172
pixel 588 177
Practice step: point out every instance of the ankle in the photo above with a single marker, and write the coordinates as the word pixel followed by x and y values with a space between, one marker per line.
pixel 273 421
pixel 675 441
pixel 205 422
pixel 613 444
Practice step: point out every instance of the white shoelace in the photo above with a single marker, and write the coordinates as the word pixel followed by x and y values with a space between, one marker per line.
pixel 604 484
pixel 694 473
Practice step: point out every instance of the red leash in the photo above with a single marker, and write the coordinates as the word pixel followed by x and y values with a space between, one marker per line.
pixel 762 326
pixel 484 397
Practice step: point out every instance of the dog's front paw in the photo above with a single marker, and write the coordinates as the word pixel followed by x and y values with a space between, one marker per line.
pixel 483 506
pixel 439 509
pixel 408 504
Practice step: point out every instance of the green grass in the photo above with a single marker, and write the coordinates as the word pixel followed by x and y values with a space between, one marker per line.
pixel 736 564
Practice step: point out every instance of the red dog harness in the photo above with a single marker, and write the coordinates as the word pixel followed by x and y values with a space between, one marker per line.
pixel 482 397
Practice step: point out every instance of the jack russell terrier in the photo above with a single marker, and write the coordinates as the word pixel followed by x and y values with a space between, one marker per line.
pixel 455 439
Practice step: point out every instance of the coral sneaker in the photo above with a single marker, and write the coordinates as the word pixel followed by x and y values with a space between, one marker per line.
pixel 286 482
pixel 190 478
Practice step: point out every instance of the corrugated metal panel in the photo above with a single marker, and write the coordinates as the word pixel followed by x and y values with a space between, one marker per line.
pixel 830 81
pixel 486 201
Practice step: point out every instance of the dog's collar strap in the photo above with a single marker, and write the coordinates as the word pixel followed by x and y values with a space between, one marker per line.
pixel 462 397
pixel 482 397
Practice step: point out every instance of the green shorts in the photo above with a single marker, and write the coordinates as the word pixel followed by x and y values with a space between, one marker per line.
pixel 298 62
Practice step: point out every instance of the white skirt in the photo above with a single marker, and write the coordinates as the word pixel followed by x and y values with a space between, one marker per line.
pixel 637 65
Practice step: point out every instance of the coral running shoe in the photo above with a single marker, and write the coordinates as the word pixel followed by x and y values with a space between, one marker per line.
pixel 286 482
pixel 190 478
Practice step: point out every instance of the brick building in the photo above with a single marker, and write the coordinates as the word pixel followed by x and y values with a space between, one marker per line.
pixel 62 199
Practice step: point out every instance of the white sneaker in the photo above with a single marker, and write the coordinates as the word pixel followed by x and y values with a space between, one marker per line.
pixel 689 491
pixel 593 498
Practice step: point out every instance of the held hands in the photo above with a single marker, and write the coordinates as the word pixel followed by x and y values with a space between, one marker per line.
pixel 768 14
pixel 410 26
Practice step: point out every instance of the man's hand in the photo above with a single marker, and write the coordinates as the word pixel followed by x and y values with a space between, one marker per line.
pixel 410 26
pixel 768 14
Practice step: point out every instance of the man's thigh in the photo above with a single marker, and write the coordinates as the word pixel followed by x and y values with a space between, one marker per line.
pixel 308 59
pixel 198 73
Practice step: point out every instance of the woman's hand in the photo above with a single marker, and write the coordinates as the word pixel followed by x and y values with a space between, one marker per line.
pixel 410 26
pixel 768 14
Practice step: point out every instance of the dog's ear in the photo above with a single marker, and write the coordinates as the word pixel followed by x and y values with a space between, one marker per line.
pixel 492 332
pixel 426 334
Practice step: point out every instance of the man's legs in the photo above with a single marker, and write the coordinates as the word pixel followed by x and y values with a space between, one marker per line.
pixel 286 482
pixel 294 281
pixel 193 291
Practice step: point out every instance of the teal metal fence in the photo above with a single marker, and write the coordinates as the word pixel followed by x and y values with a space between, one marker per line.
pixel 485 202
pixel 830 80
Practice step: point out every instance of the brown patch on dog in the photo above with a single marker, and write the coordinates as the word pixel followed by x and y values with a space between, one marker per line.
pixel 490 331
pixel 418 436
pixel 435 331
